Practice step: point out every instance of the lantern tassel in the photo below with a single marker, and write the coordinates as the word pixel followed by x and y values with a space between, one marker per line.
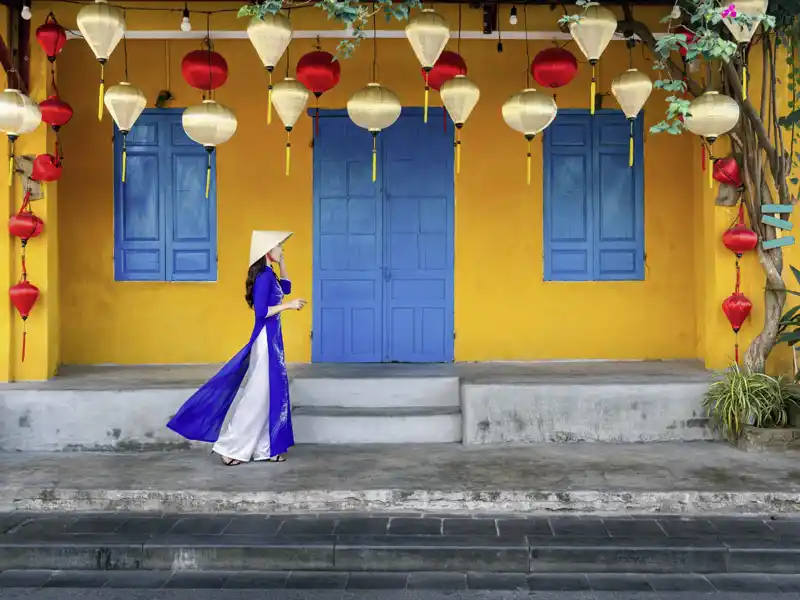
pixel 736 347
pixel 316 119
pixel 594 87
pixel 374 157
pixel 208 174
pixel 269 100
pixel 744 80
pixel 458 151
pixel 124 156
pixel 24 337
pixel 630 146
pixel 528 164
pixel 11 164
pixel 288 150
pixel 102 92
pixel 710 169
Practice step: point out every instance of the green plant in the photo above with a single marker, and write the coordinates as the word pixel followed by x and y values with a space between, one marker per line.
pixel 741 398
pixel 789 326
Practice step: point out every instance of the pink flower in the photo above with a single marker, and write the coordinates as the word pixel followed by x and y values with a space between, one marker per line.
pixel 730 11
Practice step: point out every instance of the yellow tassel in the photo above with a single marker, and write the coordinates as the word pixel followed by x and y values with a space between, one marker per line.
pixel 529 163
pixel 102 93
pixel 630 152
pixel 11 167
pixel 458 157
pixel 288 154
pixel 710 170
pixel 744 82
pixel 594 89
pixel 269 100
pixel 124 163
pixel 427 93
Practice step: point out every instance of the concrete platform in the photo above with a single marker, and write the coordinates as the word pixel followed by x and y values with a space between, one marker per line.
pixel 666 478
pixel 126 408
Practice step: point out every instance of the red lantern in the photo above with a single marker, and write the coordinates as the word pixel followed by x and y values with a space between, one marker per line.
pixel 688 36
pixel 726 170
pixel 554 67
pixel 740 238
pixel 25 225
pixel 51 37
pixel 448 66
pixel 46 167
pixel 204 69
pixel 737 308
pixel 318 71
pixel 55 112
pixel 24 296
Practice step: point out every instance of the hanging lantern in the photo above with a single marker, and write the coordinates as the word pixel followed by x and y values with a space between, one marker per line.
pixel 592 33
pixel 102 26
pixel 740 238
pixel 554 67
pixel 55 112
pixel 688 36
pixel 529 112
pixel 51 37
pixel 744 33
pixel 125 102
pixel 290 98
pixel 459 96
pixel 24 296
pixel 710 116
pixel 448 66
pixel 737 308
pixel 204 69
pixel 726 170
pixel 631 89
pixel 18 115
pixel 319 71
pixel 428 34
pixel 270 36
pixel 46 168
pixel 374 108
pixel 209 124
pixel 25 225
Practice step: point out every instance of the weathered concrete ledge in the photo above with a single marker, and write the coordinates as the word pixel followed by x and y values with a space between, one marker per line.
pixel 755 439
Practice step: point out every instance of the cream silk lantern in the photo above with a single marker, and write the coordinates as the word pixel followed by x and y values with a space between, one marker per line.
pixel 631 89
pixel 744 33
pixel 459 96
pixel 374 108
pixel 270 36
pixel 290 97
pixel 529 112
pixel 710 116
pixel 125 102
pixel 428 34
pixel 102 26
pixel 592 33
pixel 209 124
pixel 18 115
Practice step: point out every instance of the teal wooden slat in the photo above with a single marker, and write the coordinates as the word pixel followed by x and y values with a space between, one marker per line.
pixel 786 240
pixel 777 208
pixel 775 222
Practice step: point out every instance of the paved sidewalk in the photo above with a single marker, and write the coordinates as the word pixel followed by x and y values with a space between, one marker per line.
pixel 697 477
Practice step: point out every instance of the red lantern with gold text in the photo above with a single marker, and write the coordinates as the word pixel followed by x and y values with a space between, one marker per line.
pixel 51 37
pixel 554 67
pixel 24 296
pixel 47 168
pixel 204 69
pixel 319 72
pixel 55 112
pixel 726 170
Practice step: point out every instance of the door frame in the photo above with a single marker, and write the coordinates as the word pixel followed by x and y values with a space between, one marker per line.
pixel 434 113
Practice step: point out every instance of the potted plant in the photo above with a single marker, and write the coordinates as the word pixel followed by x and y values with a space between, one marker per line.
pixel 752 410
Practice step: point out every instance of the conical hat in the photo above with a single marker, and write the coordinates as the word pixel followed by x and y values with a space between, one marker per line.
pixel 264 241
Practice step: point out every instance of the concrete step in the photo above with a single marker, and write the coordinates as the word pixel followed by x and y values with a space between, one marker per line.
pixel 375 391
pixel 377 425
pixel 117 542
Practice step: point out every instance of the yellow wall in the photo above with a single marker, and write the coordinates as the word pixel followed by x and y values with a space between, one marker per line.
pixel 498 217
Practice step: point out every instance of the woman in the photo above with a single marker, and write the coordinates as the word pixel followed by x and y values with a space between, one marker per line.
pixel 260 425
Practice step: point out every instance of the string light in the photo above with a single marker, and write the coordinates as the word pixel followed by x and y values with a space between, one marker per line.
pixel 513 18
pixel 26 10
pixel 186 24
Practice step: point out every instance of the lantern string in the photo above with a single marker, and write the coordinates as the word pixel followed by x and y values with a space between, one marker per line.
pixel 374 47
pixel 288 47
pixel 210 49
pixel 458 44
pixel 125 51
pixel 527 47
pixel 24 337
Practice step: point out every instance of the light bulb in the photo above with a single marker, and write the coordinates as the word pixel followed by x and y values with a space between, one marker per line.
pixel 186 25
pixel 26 12
pixel 676 12
pixel 513 18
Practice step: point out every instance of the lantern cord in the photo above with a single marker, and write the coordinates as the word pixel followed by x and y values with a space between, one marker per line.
pixel 102 92
pixel 374 46
pixel 630 145
pixel 125 53
pixel 458 44
pixel 427 93
pixel 166 61
pixel 269 97
pixel 208 172
pixel 736 346
pixel 289 45
pixel 288 149
pixel 210 50
pixel 374 157
pixel 24 337
pixel 316 119
pixel 710 166
pixel 593 90
pixel 11 163
pixel 124 156
pixel 529 163
pixel 744 75
pixel 458 150
pixel 527 46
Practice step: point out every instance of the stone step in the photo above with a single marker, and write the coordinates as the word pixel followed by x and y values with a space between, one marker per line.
pixel 375 392
pixel 377 425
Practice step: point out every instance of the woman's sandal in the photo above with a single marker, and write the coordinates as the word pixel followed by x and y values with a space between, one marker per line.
pixel 229 462
pixel 276 459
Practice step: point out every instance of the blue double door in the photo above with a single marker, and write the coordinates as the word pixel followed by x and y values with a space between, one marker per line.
pixel 383 250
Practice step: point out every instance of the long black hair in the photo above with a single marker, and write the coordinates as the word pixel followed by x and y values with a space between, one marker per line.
pixel 254 271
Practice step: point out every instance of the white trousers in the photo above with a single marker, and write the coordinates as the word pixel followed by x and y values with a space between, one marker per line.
pixel 246 435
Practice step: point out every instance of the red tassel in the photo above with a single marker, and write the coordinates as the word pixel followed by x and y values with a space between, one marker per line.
pixel 736 348
pixel 24 337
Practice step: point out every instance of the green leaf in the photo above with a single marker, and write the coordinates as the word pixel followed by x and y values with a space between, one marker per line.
pixel 796 273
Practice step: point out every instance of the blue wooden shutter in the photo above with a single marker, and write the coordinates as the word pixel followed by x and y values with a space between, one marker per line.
pixel 191 240
pixel 139 216
pixel 568 205
pixel 618 199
